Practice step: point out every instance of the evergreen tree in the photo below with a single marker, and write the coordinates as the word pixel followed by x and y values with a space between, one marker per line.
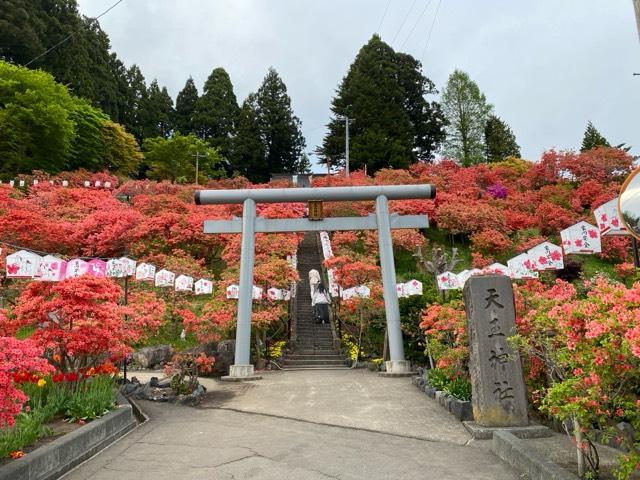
pixel 593 139
pixel 217 111
pixel 248 148
pixel 384 92
pixel 157 112
pixel 500 142
pixel 186 108
pixel 136 98
pixel 280 129
pixel 466 110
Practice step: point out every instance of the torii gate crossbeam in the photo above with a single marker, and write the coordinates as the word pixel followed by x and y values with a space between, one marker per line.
pixel 249 225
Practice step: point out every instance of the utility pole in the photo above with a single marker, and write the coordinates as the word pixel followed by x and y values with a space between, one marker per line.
pixel 347 121
pixel 197 155
pixel 636 4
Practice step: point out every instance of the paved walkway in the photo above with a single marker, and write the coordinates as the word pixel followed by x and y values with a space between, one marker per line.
pixel 300 425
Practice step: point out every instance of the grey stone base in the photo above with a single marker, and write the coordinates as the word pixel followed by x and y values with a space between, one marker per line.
pixel 521 456
pixel 486 433
pixel 250 378
pixel 396 374
pixel 52 460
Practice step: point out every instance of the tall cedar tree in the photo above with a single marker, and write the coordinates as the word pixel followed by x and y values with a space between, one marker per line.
pixel 394 125
pixel 84 63
pixel 248 147
pixel 593 139
pixel 186 108
pixel 500 142
pixel 157 112
pixel 217 112
pixel 136 98
pixel 280 129
pixel 466 110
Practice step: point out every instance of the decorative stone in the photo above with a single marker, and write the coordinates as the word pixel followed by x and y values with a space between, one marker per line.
pixel 498 390
pixel 149 357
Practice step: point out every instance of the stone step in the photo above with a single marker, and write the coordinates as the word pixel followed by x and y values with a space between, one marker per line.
pixel 316 367
pixel 325 363
pixel 315 351
pixel 297 356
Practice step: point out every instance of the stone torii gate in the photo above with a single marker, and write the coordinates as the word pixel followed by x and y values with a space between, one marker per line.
pixel 249 225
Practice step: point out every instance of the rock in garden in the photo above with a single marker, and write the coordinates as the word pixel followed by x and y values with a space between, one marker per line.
pixel 149 357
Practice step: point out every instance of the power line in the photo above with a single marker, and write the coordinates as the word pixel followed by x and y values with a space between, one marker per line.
pixel 416 23
pixel 384 15
pixel 403 22
pixel 426 45
pixel 71 35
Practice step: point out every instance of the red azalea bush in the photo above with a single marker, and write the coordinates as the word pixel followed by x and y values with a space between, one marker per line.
pixel 17 356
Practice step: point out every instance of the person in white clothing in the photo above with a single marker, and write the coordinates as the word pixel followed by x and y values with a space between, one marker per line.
pixel 314 280
pixel 320 302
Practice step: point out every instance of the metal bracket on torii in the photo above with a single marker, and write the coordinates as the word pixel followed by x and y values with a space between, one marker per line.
pixel 249 225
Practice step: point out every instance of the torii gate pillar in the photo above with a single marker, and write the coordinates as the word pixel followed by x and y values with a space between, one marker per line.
pixel 242 369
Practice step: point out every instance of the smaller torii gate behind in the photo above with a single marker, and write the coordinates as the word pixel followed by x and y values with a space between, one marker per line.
pixel 249 225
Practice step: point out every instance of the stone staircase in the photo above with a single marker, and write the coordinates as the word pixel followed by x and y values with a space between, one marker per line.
pixel 314 348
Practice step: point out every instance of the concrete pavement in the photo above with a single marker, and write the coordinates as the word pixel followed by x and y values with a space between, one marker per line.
pixel 300 425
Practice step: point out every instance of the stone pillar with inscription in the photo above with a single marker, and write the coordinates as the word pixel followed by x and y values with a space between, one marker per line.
pixel 498 391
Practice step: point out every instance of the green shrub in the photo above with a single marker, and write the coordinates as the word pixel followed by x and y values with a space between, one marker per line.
pixel 29 427
pixel 459 388
pixel 438 378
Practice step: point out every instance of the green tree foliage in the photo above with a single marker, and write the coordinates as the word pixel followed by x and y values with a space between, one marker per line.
pixel 135 101
pixel 280 129
pixel 83 63
pixel 217 112
pixel 121 152
pixel 466 110
pixel 157 112
pixel 248 148
pixel 385 93
pixel 186 108
pixel 174 158
pixel 45 128
pixel 593 139
pixel 500 142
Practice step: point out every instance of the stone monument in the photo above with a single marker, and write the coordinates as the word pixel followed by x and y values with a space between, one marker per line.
pixel 499 398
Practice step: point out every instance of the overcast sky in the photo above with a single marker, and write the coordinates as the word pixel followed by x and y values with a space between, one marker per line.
pixel 547 66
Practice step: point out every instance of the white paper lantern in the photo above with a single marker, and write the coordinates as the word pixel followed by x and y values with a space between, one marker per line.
pixel 203 287
pixel 448 281
pixel 65 183
pixel 521 267
pixel 165 278
pixel 497 269
pixel 87 183
pixel 257 293
pixel 184 283
pixel 129 266
pixel 22 264
pixel 115 268
pixel 546 256
pixel 413 287
pixel 581 238
pixel 145 272
pixel 52 269
pixel 233 291
pixel 76 268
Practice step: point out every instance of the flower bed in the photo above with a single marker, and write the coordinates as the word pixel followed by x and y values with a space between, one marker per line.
pixel 452 394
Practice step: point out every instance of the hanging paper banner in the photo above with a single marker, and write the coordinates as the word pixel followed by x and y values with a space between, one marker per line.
pixel 608 220
pixel 348 293
pixel 87 183
pixel 22 264
pixel 107 184
pixel 546 256
pixel 65 183
pixel 97 268
pixel 497 269
pixel 581 238
pixel 448 281
pixel 165 278
pixel 257 293
pixel 145 272
pixel 129 266
pixel 413 287
pixel 115 268
pixel 184 283
pixel 363 291
pixel 98 183
pixel 464 275
pixel 360 291
pixel 233 291
pixel 286 295
pixel 52 269
pixel 203 287
pixel 76 268
pixel 400 290
pixel 275 294
pixel 521 267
